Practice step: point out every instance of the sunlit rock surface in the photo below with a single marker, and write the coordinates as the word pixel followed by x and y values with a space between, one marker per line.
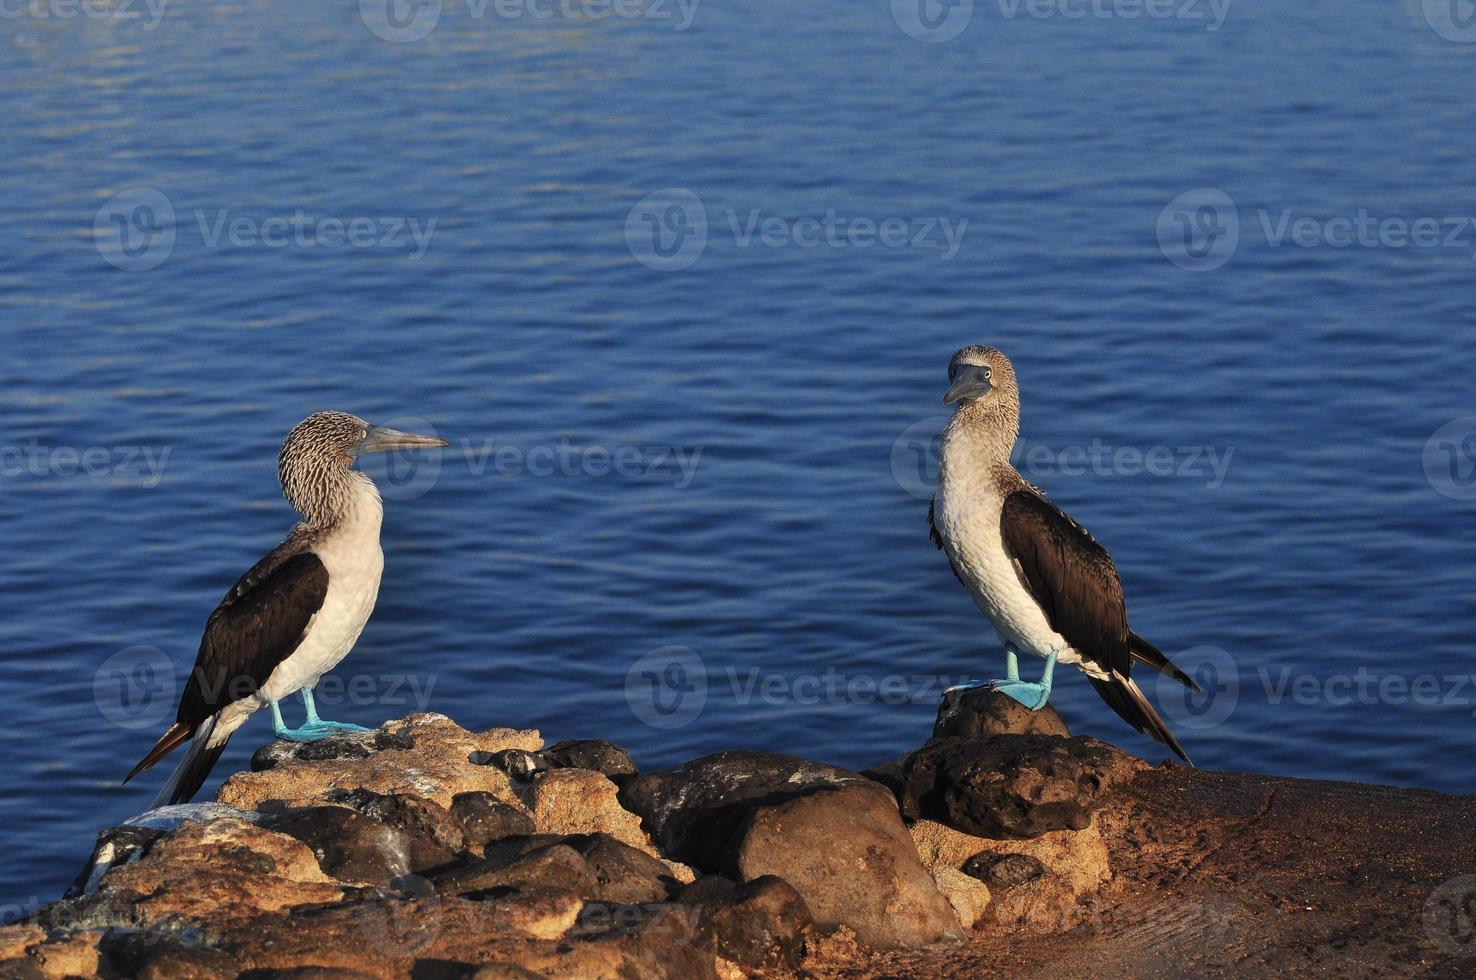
pixel 427 850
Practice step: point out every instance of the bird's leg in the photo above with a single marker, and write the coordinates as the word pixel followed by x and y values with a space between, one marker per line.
pixel 1032 696
pixel 312 709
pixel 314 729
pixel 316 723
pixel 279 727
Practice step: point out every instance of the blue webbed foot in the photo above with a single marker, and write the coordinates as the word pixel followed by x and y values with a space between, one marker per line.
pixel 1032 696
pixel 316 731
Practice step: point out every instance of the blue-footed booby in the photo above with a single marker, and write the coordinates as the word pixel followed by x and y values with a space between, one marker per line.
pixel 1045 584
pixel 298 611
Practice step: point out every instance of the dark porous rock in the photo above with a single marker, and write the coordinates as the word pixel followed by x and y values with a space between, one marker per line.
pixel 107 908
pixel 353 847
pixel 434 835
pixel 591 753
pixel 760 924
pixel 1012 786
pixel 982 711
pixel 663 941
pixel 496 971
pixel 311 973
pixel 23 969
pixel 1001 871
pixel 509 849
pixel 889 774
pixel 485 819
pixel 115 846
pixel 693 811
pixel 520 764
pixel 555 868
pixel 344 745
pixel 623 874
pixel 596 755
pixel 157 955
pixel 846 852
pixel 1043 904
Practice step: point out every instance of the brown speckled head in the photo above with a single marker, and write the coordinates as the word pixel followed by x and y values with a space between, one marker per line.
pixel 315 460
pixel 977 372
pixel 981 382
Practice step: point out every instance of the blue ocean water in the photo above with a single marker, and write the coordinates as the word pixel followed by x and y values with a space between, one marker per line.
pixel 679 284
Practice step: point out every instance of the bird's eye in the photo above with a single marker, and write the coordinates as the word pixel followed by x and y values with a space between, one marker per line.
pixel 952 370
pixel 987 372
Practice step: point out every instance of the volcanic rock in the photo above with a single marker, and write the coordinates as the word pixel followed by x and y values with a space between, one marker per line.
pixel 1013 786
pixel 845 851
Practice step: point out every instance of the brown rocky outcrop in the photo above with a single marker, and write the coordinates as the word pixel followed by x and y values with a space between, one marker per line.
pixel 424 850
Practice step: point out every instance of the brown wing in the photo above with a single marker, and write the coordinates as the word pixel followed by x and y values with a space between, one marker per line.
pixel 1071 576
pixel 260 623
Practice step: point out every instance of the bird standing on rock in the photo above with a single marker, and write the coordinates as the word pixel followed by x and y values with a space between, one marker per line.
pixel 298 611
pixel 1045 584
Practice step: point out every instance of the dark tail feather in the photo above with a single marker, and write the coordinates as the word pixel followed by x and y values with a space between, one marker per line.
pixel 1149 655
pixel 1122 695
pixel 193 769
pixel 167 743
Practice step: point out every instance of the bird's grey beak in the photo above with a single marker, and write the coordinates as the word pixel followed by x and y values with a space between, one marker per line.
pixel 971 382
pixel 378 439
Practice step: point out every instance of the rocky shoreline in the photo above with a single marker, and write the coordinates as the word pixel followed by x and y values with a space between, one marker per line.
pixel 1002 846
